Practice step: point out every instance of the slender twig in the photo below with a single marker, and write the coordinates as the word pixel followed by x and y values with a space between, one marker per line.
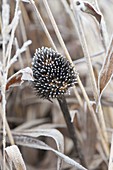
pixel 20 57
pixel 71 128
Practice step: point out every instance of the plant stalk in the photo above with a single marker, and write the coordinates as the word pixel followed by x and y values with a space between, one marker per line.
pixel 71 128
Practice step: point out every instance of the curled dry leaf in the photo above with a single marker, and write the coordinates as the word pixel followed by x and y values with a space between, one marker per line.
pixel 53 133
pixel 32 142
pixel 89 8
pixel 17 79
pixel 14 158
pixel 107 69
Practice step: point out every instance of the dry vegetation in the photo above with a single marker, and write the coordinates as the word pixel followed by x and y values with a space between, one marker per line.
pixel 34 135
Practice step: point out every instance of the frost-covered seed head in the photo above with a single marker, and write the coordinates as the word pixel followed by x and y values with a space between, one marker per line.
pixel 53 74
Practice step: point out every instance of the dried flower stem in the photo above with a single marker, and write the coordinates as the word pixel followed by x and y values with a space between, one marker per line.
pixel 71 128
pixel 3 104
pixel 50 76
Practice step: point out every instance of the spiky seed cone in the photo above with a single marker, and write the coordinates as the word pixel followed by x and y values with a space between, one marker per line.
pixel 53 74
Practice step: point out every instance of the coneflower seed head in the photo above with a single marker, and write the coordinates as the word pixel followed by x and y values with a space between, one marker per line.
pixel 53 74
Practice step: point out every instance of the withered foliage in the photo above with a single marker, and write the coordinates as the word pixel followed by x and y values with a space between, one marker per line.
pixel 37 126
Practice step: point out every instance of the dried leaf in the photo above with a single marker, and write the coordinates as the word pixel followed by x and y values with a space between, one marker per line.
pixel 14 81
pixel 53 133
pixel 31 142
pixel 14 157
pixel 30 124
pixel 107 69
pixel 90 9
pixel 51 126
pixel 18 78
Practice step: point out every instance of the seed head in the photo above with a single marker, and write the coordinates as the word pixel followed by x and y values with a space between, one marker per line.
pixel 53 74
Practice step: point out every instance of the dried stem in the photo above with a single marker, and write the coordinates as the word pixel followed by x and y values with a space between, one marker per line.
pixel 24 36
pixel 56 30
pixel 3 112
pixel 68 10
pixel 10 136
pixel 110 166
pixel 3 104
pixel 71 128
pixel 103 142
pixel 90 68
pixel 43 24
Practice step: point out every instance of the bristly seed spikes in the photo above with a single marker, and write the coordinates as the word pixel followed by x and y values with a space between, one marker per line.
pixel 53 73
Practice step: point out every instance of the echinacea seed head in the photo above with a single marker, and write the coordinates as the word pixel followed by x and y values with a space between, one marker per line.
pixel 53 73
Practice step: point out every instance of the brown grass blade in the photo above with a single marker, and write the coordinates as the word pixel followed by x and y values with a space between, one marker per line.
pixel 107 69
